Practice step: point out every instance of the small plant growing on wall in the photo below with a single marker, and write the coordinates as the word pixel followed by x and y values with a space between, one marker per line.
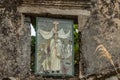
pixel 76 48
pixel 101 49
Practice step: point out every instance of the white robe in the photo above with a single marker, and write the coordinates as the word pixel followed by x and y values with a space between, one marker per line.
pixel 55 55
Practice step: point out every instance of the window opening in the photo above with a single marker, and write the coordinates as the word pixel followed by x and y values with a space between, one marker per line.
pixel 76 46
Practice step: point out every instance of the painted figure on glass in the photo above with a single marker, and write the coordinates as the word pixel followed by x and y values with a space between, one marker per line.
pixel 55 48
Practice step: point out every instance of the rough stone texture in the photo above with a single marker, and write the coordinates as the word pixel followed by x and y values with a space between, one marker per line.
pixel 15 36
pixel 112 78
pixel 81 4
pixel 102 28
pixel 36 9
pixel 14 42
pixel 82 20
pixel 101 33
pixel 55 7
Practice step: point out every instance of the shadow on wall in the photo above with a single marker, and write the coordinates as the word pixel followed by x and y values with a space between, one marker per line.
pixel 10 78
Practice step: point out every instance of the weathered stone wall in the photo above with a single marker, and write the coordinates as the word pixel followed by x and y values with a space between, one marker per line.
pixel 81 4
pixel 15 36
pixel 101 41
pixel 14 42
pixel 100 36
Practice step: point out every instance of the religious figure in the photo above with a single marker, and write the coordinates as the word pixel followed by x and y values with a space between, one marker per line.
pixel 69 49
pixel 55 46
pixel 46 62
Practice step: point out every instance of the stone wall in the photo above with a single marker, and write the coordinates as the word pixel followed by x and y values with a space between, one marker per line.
pixel 99 56
pixel 14 42
pixel 101 42
pixel 81 4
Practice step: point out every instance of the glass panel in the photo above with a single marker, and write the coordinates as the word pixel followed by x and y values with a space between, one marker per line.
pixel 54 48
